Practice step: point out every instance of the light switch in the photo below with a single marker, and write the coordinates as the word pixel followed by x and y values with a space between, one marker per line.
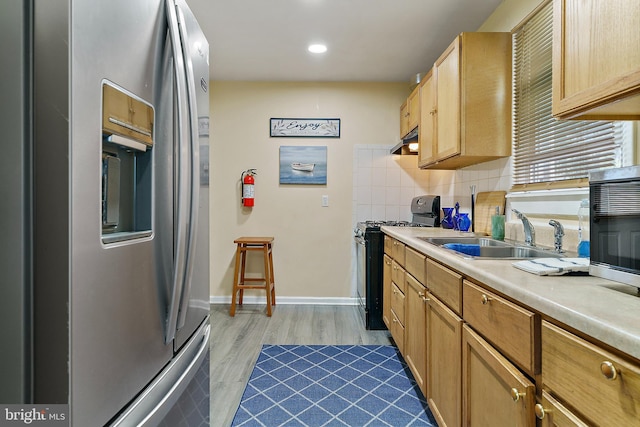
pixel 325 200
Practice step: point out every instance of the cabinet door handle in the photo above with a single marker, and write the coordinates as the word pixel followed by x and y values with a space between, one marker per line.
pixel 540 411
pixel 608 370
pixel 516 395
pixel 423 296
pixel 485 299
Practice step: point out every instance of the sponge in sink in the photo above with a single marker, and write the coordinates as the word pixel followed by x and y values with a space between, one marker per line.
pixel 465 248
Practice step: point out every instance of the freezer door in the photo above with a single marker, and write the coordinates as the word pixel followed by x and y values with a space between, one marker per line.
pixel 179 396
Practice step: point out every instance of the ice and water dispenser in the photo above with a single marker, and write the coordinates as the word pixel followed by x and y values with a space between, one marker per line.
pixel 127 142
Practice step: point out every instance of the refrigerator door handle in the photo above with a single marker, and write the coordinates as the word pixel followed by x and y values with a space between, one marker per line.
pixel 195 162
pixel 180 250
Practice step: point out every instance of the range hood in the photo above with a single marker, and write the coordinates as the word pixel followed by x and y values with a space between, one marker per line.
pixel 408 145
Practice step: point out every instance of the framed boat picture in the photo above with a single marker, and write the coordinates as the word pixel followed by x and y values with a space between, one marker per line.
pixel 303 165
pixel 304 128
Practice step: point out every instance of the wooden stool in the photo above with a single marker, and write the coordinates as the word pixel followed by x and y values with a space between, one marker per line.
pixel 240 283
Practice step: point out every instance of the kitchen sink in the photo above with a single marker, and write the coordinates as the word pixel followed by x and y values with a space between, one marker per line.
pixel 482 241
pixel 487 248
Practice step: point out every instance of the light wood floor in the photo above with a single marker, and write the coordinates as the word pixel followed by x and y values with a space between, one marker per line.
pixel 236 343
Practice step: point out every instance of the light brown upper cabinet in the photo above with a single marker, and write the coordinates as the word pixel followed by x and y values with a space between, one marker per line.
pixel 596 59
pixel 410 112
pixel 414 108
pixel 404 118
pixel 427 125
pixel 468 103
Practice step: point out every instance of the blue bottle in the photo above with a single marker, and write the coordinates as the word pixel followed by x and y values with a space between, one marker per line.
pixel 456 216
pixel 464 222
pixel 584 246
pixel 447 221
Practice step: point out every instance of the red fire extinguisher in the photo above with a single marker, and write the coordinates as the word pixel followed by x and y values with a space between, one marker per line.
pixel 248 187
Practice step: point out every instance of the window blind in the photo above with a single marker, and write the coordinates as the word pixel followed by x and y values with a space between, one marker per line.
pixel 546 149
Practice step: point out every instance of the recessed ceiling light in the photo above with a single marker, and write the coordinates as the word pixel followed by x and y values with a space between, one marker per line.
pixel 317 48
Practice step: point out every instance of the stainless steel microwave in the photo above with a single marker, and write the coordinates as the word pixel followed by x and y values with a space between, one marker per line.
pixel 615 224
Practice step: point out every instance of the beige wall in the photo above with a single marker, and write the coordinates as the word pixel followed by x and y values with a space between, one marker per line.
pixel 312 248
pixel 509 14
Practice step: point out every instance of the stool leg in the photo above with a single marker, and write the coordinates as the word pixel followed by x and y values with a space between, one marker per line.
pixel 232 311
pixel 267 278
pixel 243 256
pixel 272 286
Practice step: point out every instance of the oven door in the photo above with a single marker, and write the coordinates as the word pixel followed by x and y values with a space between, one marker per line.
pixel 361 271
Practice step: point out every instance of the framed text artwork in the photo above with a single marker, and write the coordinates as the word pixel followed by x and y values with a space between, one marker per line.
pixel 304 128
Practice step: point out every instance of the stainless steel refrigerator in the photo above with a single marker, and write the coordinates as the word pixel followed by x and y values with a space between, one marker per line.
pixel 104 255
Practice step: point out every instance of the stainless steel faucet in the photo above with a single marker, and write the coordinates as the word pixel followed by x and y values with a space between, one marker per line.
pixel 557 235
pixel 529 231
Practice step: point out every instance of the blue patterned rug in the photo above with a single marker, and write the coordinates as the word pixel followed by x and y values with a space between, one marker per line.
pixel 345 385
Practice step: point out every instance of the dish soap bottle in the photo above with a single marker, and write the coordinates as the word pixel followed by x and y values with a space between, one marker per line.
pixel 584 246
pixel 497 225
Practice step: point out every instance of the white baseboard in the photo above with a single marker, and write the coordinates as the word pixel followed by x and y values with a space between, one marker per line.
pixel 288 300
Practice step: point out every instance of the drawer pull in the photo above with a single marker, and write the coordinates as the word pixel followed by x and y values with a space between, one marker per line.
pixel 485 299
pixel 421 294
pixel 608 370
pixel 516 395
pixel 540 411
pixel 425 299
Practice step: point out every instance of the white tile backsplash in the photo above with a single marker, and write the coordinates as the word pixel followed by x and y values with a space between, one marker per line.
pixel 384 184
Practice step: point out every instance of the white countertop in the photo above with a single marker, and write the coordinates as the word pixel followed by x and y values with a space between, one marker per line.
pixel 597 307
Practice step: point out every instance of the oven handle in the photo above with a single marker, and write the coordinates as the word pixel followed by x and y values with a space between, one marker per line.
pixel 360 241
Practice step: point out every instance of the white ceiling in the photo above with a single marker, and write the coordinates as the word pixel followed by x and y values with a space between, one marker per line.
pixel 367 40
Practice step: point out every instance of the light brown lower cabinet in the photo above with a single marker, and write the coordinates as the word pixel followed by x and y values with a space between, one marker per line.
pixel 415 340
pixel 444 363
pixel 603 388
pixel 386 291
pixel 494 391
pixel 397 316
pixel 552 413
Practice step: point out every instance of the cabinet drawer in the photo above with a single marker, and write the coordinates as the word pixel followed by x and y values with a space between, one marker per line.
pixel 551 413
pixel 446 285
pixel 398 252
pixel 397 332
pixel 574 371
pixel 397 275
pixel 397 302
pixel 510 328
pixel 415 264
pixel 388 245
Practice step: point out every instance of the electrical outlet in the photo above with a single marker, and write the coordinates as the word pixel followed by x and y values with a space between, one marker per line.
pixel 325 201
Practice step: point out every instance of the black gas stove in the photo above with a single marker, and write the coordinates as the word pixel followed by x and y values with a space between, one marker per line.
pixel 370 255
